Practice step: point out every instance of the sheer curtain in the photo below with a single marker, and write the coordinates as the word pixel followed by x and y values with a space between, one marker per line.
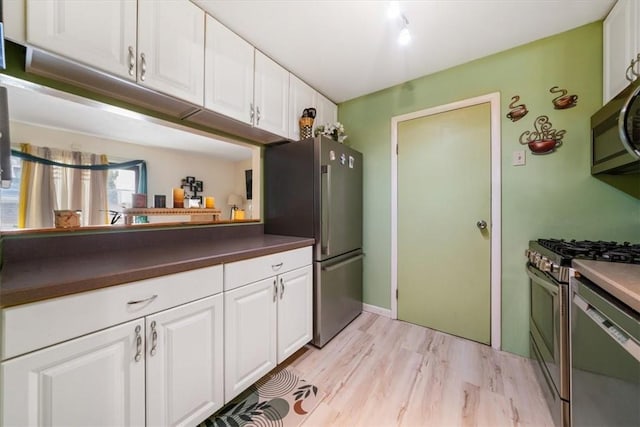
pixel 45 188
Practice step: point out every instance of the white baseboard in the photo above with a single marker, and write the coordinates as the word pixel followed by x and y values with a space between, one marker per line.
pixel 376 310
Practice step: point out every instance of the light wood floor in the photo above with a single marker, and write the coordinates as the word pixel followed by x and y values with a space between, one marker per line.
pixel 383 372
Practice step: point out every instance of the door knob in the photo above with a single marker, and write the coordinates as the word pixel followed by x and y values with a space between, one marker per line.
pixel 482 224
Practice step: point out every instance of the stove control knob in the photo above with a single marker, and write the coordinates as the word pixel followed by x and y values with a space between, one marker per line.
pixel 545 265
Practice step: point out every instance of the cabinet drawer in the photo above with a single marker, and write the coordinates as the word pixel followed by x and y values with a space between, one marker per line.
pixel 240 273
pixel 32 326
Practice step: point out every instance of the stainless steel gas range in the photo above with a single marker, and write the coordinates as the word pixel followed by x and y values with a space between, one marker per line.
pixel 549 270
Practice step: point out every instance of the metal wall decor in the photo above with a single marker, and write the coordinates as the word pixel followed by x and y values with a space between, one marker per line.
pixel 543 139
pixel 517 111
pixel 563 101
pixel 194 186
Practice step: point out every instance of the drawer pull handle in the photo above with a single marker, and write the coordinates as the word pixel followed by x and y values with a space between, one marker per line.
pixel 154 339
pixel 138 344
pixel 275 290
pixel 141 301
pixel 277 267
pixel 281 288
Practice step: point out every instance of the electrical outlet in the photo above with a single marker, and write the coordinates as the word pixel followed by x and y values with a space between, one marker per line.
pixel 519 158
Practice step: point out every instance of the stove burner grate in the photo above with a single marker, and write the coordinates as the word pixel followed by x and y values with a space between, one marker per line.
pixel 595 250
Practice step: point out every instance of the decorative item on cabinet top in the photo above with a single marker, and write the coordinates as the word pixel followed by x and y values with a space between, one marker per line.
pixel 334 131
pixel 306 123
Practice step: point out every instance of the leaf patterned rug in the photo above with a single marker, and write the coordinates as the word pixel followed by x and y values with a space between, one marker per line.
pixel 280 399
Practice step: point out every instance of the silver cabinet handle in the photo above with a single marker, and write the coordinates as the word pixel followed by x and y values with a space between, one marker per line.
pixel 630 70
pixel 154 339
pixel 482 224
pixel 257 115
pixel 142 301
pixel 275 290
pixel 633 71
pixel 251 112
pixel 276 267
pixel 281 288
pixel 132 60
pixel 143 66
pixel 138 344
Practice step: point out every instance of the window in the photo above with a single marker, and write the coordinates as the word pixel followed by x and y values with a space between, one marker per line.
pixel 121 184
pixel 9 198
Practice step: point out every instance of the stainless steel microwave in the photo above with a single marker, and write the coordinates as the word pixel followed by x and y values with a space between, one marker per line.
pixel 615 134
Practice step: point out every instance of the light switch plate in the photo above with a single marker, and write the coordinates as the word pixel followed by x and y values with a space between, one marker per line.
pixel 519 158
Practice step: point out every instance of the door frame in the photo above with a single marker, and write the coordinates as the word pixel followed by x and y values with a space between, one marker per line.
pixel 496 219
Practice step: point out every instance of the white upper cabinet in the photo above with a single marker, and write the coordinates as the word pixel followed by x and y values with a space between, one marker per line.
pixel 301 96
pixel 271 96
pixel 228 73
pixel 101 34
pixel 171 48
pixel 327 111
pixel 621 39
pixel 158 44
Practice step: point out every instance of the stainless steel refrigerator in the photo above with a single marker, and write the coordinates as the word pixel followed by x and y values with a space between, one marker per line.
pixel 313 188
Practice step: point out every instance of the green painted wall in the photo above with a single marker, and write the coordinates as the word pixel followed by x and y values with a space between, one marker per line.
pixel 552 196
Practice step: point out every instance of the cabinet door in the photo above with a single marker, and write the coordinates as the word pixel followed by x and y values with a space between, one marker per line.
pixel 228 69
pixel 250 335
pixel 90 381
pixel 171 48
pixel 185 363
pixel 301 96
pixel 100 33
pixel 271 96
pixel 327 111
pixel 295 311
pixel 619 40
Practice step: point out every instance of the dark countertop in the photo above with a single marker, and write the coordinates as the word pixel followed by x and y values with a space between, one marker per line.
pixel 620 280
pixel 30 279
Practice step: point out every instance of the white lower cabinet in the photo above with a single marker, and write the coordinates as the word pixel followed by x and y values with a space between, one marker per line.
pixel 295 316
pixel 160 365
pixel 184 355
pixel 265 322
pixel 250 335
pixel 100 379
pixel 94 380
pixel 167 351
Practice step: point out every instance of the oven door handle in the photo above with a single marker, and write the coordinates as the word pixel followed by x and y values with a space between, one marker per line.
pixel 542 280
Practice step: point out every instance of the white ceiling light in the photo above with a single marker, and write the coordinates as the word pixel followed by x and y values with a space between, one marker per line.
pixel 404 38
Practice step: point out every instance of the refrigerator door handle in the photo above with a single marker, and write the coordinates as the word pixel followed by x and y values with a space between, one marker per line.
pixel 325 246
pixel 342 263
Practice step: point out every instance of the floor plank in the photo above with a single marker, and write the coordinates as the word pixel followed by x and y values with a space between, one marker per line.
pixel 383 372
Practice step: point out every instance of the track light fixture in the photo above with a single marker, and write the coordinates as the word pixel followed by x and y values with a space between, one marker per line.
pixel 404 37
pixel 394 13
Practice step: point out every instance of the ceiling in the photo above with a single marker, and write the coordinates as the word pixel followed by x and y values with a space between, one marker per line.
pixel 53 109
pixel 348 48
